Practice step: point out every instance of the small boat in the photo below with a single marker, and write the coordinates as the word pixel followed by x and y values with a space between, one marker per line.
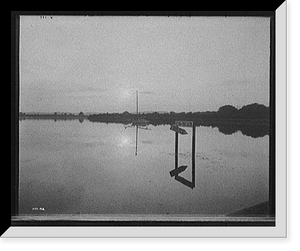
pixel 140 122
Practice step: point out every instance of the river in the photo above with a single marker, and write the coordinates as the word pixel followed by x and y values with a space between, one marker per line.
pixel 72 167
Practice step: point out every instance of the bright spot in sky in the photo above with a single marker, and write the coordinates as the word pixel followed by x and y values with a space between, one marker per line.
pixel 126 94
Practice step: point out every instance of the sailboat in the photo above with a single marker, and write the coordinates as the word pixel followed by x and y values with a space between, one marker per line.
pixel 139 122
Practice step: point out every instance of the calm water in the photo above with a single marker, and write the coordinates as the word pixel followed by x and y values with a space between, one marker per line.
pixel 68 167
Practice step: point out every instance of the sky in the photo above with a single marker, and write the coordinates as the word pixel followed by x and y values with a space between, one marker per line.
pixel 180 64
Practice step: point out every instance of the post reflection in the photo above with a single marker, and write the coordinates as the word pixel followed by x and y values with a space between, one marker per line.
pixel 180 169
pixel 136 139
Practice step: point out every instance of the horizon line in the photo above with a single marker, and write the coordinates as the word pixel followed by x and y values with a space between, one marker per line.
pixel 89 112
pixel 62 112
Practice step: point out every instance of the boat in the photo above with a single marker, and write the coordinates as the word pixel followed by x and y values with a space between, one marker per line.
pixel 139 122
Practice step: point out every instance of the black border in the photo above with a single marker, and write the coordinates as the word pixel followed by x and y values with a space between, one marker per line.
pixel 272 162
pixel 111 223
pixel 14 113
pixel 15 125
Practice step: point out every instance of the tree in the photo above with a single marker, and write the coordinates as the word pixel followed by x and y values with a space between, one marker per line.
pixel 227 111
pixel 254 111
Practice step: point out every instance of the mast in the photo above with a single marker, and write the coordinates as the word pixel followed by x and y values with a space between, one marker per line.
pixel 137 105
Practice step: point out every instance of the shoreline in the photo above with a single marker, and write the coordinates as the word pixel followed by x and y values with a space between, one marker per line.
pixel 254 128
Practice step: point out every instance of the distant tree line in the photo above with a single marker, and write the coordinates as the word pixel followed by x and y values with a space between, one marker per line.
pixel 250 112
pixel 252 120
pixel 55 115
pixel 253 111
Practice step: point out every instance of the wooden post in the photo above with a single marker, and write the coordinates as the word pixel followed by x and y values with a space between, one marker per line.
pixel 176 149
pixel 193 155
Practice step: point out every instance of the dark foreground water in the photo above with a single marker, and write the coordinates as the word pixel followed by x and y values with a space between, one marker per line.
pixel 68 167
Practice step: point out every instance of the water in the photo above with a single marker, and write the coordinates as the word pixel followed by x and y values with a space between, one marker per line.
pixel 67 167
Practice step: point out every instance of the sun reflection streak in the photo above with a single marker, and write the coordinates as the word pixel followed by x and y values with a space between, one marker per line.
pixel 125 141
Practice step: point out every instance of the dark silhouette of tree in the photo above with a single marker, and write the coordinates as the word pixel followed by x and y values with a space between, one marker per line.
pixel 251 120
pixel 254 111
pixel 227 111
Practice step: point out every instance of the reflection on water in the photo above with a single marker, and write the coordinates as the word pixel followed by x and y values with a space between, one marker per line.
pixel 67 167
pixel 180 169
pixel 138 124
pixel 254 130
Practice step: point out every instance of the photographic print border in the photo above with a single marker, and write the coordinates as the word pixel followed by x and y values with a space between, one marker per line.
pixel 134 220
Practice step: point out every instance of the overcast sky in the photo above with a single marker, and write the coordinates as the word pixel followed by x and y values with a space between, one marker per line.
pixel 95 64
